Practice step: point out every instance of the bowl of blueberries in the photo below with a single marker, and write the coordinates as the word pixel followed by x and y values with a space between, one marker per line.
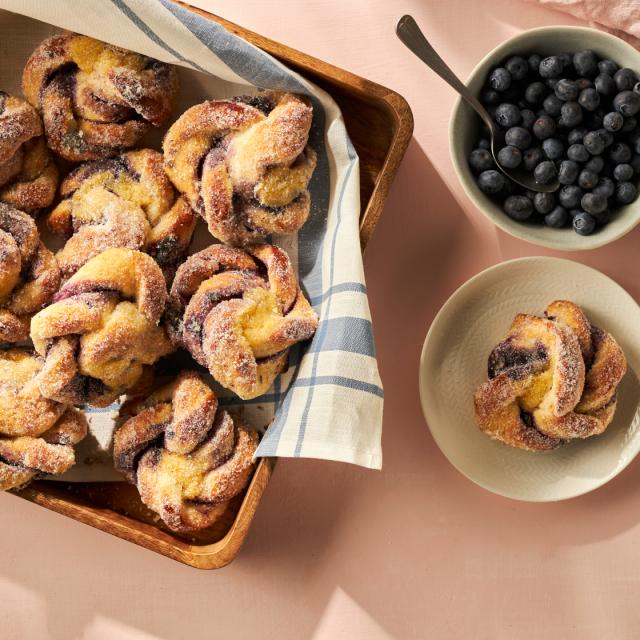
pixel 567 100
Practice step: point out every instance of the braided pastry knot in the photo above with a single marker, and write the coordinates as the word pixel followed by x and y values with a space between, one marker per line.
pixel 36 434
pixel 96 99
pixel 187 456
pixel 244 165
pixel 28 175
pixel 102 328
pixel 126 201
pixel 238 312
pixel 552 379
pixel 29 273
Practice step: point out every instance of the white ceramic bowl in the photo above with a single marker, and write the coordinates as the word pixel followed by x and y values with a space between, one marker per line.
pixel 454 363
pixel 464 124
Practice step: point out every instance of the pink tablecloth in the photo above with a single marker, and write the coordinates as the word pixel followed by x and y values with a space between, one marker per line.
pixel 337 552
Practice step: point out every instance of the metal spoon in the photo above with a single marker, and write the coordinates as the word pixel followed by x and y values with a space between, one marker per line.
pixel 411 36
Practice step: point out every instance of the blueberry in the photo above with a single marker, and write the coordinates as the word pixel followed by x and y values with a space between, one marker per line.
pixel 587 179
pixel 635 163
pixel 483 143
pixel 533 157
pixel 576 135
pixel 620 153
pixel 608 67
pixel 509 157
pixel 518 207
pixel 571 115
pixel 606 136
pixel 623 172
pixel 553 148
pixel 626 192
pixel 585 63
pixel 625 79
pixel 613 121
pixel 589 99
pixel 480 160
pixel 578 153
pixel 605 85
pixel 491 181
pixel 595 164
pixel 593 203
pixel 570 196
pixel 630 123
pixel 544 126
pixel 544 202
pixel 605 187
pixel 594 143
pixel 636 87
pixel 566 59
pixel 489 96
pixel 518 137
pixel 558 218
pixel 568 172
pixel 552 105
pixel 507 115
pixel 550 67
pixel 566 90
pixel 528 118
pixel 545 172
pixel 534 62
pixel 535 93
pixel 583 83
pixel 500 79
pixel 584 223
pixel 627 103
pixel 517 67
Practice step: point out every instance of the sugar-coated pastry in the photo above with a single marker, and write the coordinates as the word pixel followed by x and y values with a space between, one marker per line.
pixel 96 99
pixel 28 175
pixel 36 434
pixel 102 328
pixel 185 454
pixel 238 312
pixel 29 273
pixel 126 201
pixel 244 164
pixel 552 379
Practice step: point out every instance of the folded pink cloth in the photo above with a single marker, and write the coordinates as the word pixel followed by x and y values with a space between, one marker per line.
pixel 620 17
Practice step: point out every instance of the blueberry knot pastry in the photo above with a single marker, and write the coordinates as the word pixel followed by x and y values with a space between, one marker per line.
pixel 37 435
pixel 28 175
pixel 244 164
pixel 126 201
pixel 96 99
pixel 29 273
pixel 186 455
pixel 552 379
pixel 102 328
pixel 238 312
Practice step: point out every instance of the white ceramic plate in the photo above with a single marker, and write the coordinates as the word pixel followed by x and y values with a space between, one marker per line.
pixel 454 362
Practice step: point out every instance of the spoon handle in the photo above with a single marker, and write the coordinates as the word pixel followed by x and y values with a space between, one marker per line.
pixel 409 33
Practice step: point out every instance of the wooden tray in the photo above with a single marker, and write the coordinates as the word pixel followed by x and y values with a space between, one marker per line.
pixel 380 124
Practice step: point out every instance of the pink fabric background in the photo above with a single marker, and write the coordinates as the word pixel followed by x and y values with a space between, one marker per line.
pixel 415 551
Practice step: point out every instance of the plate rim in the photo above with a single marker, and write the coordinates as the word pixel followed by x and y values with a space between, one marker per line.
pixel 505 264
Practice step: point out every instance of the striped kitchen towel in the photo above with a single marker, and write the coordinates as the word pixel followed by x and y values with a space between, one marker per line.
pixel 329 403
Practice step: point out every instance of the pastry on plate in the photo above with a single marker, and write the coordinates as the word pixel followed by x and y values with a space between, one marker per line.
pixel 126 201
pixel 29 273
pixel 28 175
pixel 238 312
pixel 551 380
pixel 102 328
pixel 244 164
pixel 186 455
pixel 96 99
pixel 37 434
